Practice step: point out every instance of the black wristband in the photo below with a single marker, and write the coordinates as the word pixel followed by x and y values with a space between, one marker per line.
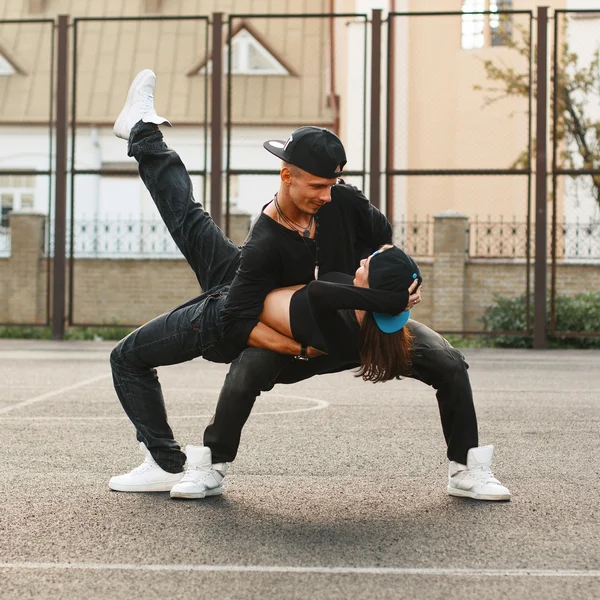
pixel 303 353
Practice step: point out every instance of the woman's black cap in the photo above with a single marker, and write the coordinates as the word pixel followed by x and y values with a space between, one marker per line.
pixel 393 270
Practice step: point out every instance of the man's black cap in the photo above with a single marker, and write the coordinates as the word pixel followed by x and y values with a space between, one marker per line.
pixel 313 149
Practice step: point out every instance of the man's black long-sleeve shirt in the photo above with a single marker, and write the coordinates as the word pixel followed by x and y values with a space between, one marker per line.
pixel 349 228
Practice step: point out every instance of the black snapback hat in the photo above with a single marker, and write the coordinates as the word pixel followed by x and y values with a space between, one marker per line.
pixel 392 270
pixel 315 150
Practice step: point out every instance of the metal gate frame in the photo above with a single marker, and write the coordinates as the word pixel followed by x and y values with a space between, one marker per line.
pixel 58 167
pixel 229 89
pixel 117 172
pixel 390 171
pixel 49 172
pixel 556 172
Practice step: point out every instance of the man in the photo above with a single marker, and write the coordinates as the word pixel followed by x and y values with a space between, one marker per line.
pixel 315 224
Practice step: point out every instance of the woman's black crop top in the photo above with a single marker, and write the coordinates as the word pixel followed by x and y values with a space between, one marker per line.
pixel 322 313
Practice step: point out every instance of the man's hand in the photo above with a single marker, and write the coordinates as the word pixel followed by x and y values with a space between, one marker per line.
pixel 414 294
pixel 314 352
pixel 262 336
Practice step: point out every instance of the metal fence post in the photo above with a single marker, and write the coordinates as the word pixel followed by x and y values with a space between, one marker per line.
pixel 541 184
pixel 375 146
pixel 60 190
pixel 390 116
pixel 216 125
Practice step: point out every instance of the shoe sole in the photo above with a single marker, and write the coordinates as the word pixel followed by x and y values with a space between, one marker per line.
pixel 466 494
pixel 118 126
pixel 197 495
pixel 157 487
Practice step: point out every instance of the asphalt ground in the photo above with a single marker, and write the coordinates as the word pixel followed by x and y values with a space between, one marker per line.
pixel 339 489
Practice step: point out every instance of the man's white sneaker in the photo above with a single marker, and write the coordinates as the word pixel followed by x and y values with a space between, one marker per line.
pixel 475 479
pixel 148 477
pixel 201 478
pixel 139 105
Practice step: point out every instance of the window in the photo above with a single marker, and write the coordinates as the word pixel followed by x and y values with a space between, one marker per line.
pixel 7 64
pixel 473 25
pixel 5 67
pixel 7 203
pixel 17 192
pixel 500 25
pixel 249 56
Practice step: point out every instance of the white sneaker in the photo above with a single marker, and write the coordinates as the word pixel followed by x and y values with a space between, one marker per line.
pixel 139 105
pixel 475 479
pixel 201 478
pixel 148 477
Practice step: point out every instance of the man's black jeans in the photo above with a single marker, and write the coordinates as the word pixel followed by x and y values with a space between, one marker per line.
pixel 434 362
pixel 188 331
pixel 193 329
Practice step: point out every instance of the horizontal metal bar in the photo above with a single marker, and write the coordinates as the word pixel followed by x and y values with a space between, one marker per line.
pixel 575 10
pixel 124 325
pixel 24 172
pixel 515 257
pixel 576 171
pixel 457 13
pixel 46 324
pixel 574 334
pixel 150 18
pixel 457 172
pixel 276 172
pixel 118 172
pixel 499 332
pixel 296 15
pixel 8 21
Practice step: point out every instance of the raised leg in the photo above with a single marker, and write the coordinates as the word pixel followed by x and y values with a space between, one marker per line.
pixel 213 257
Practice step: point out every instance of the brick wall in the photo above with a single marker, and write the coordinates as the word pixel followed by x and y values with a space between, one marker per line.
pixel 130 291
pixel 456 291
pixel 22 301
pixel 5 272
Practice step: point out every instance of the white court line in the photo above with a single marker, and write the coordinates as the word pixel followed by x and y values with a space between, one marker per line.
pixel 43 397
pixel 319 405
pixel 303 570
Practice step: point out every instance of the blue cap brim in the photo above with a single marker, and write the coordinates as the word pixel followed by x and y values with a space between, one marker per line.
pixel 391 323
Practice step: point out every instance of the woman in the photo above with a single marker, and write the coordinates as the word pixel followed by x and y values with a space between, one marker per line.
pixel 357 319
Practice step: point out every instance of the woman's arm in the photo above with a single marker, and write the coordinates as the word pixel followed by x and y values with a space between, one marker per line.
pixel 326 298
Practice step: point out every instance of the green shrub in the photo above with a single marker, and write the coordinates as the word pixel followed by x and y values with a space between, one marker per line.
pixel 579 313
pixel 110 332
pixel 25 332
pixel 470 341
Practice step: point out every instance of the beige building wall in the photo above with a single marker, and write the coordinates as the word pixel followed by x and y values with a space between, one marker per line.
pixel 450 126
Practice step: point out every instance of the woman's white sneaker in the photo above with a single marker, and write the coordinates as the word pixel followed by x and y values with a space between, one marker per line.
pixel 148 477
pixel 202 478
pixel 475 479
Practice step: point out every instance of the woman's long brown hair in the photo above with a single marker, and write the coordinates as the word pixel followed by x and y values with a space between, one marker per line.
pixel 383 356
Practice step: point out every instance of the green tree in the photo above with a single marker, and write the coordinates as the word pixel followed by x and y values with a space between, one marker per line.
pixel 577 132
